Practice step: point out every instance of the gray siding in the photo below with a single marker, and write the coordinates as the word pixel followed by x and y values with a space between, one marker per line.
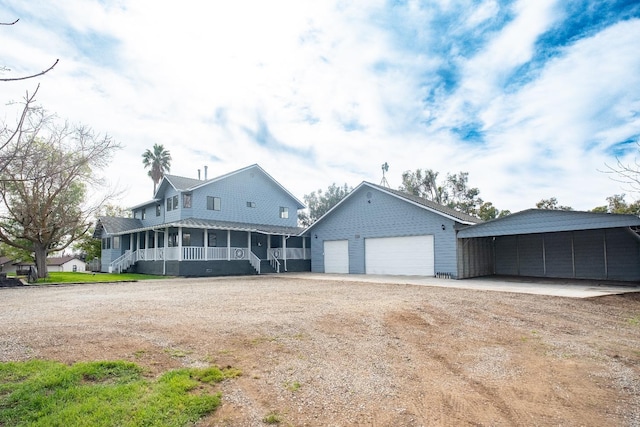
pixel 381 215
pixel 506 249
pixel 234 193
pixel 558 255
pixel 611 254
pixel 623 255
pixel 530 255
pixel 475 257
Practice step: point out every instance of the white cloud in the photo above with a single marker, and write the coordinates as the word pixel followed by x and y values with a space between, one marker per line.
pixel 335 89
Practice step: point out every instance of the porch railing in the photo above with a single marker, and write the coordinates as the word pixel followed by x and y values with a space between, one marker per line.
pixel 199 253
pixel 255 261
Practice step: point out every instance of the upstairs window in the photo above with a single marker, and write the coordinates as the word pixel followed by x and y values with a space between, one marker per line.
pixel 251 204
pixel 172 203
pixel 186 200
pixel 158 210
pixel 213 203
pixel 142 213
pixel 284 212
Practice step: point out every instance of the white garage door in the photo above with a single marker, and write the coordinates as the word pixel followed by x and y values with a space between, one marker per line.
pixel 336 256
pixel 412 255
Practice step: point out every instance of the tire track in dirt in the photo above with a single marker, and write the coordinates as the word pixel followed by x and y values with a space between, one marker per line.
pixel 460 398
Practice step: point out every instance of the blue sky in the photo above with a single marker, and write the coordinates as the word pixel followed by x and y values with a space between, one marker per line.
pixel 532 98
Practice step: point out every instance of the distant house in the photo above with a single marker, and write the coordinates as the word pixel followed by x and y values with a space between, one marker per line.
pixel 242 222
pixel 63 263
pixel 67 263
pixel 7 265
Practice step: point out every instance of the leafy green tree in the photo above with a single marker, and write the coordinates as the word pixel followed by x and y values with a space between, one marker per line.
pixel 617 205
pixel 44 189
pixel 158 161
pixel 453 192
pixel 552 204
pixel 318 203
pixel 487 212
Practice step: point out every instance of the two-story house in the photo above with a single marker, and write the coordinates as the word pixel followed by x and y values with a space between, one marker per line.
pixel 243 222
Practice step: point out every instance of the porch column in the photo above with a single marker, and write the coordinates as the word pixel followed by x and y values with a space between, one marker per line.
pixel 284 251
pixel 206 244
pixel 146 243
pixel 179 243
pixel 164 253
pixel 228 245
pixel 155 245
pixel 304 247
pixel 268 245
pixel 138 241
pixel 284 248
pixel 131 242
pixel 249 244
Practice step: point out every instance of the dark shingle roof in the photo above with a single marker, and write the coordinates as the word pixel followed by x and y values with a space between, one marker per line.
pixel 181 183
pixel 532 221
pixel 429 204
pixel 60 260
pixel 116 225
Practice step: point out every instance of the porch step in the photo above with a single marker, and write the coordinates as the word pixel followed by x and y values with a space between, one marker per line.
pixel 265 267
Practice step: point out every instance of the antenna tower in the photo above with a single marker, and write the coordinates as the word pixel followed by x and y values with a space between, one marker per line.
pixel 385 168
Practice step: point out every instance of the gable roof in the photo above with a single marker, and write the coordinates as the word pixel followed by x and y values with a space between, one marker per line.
pixel 409 198
pixel 180 183
pixel 61 260
pixel 532 221
pixel 115 225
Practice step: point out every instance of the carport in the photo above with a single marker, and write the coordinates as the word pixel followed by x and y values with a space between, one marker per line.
pixel 550 243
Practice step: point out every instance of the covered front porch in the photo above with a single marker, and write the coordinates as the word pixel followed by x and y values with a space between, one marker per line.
pixel 208 249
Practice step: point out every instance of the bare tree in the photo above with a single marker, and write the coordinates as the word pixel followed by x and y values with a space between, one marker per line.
pixel 45 186
pixel 627 173
pixel 12 139
pixel 13 79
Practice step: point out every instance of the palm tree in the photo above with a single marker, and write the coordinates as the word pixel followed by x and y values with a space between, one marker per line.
pixel 159 160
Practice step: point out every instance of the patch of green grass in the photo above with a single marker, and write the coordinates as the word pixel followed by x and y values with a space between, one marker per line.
pixel 69 277
pixel 634 321
pixel 294 386
pixel 272 418
pixel 46 393
pixel 176 352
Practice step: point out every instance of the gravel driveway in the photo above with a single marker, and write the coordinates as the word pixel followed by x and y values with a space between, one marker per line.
pixel 337 353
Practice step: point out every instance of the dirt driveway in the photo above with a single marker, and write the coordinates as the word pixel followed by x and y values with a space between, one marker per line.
pixel 332 353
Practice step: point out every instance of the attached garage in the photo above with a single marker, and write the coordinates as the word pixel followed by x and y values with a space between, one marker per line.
pixel 410 255
pixel 555 244
pixel 336 256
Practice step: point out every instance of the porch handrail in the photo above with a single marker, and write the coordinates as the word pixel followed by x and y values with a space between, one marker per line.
pixel 121 263
pixel 275 264
pixel 255 261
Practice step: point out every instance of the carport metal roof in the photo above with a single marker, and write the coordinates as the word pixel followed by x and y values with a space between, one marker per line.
pixel 533 221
